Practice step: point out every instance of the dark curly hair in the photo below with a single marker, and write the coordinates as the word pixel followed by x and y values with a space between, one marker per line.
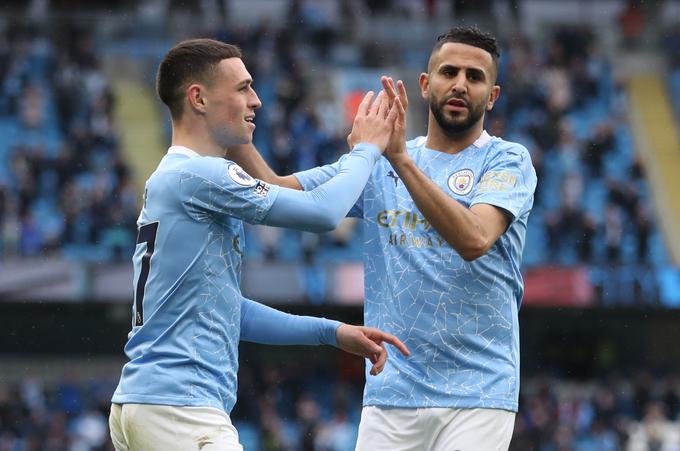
pixel 471 36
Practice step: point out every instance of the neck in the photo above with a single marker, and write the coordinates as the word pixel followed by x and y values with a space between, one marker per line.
pixel 438 139
pixel 196 136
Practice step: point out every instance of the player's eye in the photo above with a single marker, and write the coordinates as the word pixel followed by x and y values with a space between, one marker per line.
pixel 475 76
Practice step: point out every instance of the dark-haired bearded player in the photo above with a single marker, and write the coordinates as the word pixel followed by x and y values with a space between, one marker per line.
pixel 442 260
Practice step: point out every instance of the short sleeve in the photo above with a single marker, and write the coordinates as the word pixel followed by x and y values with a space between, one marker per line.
pixel 508 182
pixel 221 188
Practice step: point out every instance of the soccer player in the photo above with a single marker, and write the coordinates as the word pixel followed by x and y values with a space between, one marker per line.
pixel 445 219
pixel 179 386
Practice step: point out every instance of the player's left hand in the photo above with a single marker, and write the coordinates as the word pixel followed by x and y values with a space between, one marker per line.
pixel 397 145
pixel 368 342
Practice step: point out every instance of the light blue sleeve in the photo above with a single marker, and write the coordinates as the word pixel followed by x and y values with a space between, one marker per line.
pixel 314 177
pixel 508 182
pixel 265 325
pixel 311 178
pixel 322 208
pixel 221 189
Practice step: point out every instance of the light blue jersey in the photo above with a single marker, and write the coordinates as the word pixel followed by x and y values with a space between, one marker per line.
pixel 458 318
pixel 188 313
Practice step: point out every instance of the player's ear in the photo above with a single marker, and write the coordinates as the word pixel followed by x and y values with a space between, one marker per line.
pixel 196 98
pixel 495 92
pixel 424 82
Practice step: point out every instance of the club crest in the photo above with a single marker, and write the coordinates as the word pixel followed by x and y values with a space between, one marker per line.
pixel 460 182
pixel 240 176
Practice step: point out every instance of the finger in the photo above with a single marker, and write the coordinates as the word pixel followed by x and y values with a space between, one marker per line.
pixel 402 94
pixel 395 112
pixel 379 108
pixel 400 107
pixel 388 86
pixel 379 365
pixel 368 347
pixel 394 341
pixel 365 104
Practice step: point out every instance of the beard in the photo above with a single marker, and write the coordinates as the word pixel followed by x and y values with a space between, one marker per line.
pixel 454 125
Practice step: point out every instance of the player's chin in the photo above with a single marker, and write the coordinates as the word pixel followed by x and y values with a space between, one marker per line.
pixel 244 138
pixel 455 124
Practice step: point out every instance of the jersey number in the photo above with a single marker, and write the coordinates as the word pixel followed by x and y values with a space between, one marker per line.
pixel 146 234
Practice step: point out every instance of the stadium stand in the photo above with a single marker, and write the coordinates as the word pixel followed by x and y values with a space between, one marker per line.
pixel 68 191
pixel 286 408
pixel 65 188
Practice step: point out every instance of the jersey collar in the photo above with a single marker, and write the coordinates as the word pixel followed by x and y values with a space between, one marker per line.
pixel 183 151
pixel 483 139
pixel 480 142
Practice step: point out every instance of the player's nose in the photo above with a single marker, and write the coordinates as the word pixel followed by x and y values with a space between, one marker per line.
pixel 459 84
pixel 254 101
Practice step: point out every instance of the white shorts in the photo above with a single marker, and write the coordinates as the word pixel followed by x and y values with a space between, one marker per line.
pixel 434 429
pixel 151 427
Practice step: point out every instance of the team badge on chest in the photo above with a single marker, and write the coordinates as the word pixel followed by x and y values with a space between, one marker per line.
pixel 460 182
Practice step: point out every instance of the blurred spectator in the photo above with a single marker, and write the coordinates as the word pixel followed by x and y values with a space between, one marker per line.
pixel 613 233
pixel 570 227
pixel 643 223
pixel 655 432
pixel 567 150
pixel 308 412
pixel 584 87
pixel 597 148
pixel 338 434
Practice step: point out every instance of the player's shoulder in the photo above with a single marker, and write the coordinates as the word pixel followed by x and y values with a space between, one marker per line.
pixel 199 171
pixel 499 148
pixel 201 166
pixel 416 143
pixel 212 169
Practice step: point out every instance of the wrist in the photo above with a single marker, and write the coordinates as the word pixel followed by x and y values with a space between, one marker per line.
pixel 399 160
pixel 336 326
pixel 369 149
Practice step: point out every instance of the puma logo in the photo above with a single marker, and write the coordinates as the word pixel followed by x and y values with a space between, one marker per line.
pixel 391 174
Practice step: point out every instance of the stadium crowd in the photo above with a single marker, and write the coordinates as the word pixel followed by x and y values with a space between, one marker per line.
pixel 65 188
pixel 286 408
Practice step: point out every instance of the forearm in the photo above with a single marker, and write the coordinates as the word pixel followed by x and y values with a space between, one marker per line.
pixel 247 156
pixel 265 325
pixel 322 208
pixel 456 224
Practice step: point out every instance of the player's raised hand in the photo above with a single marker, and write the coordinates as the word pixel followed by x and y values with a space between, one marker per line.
pixel 368 342
pixel 374 121
pixel 397 144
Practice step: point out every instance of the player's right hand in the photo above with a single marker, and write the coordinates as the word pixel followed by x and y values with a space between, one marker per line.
pixel 374 122
pixel 368 342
